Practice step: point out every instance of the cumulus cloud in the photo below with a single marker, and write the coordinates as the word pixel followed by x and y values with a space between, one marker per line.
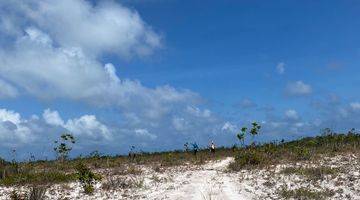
pixel 56 49
pixel 13 128
pixel 52 118
pixel 298 88
pixel 96 28
pixel 85 126
pixel 49 63
pixel 280 68
pixel 18 132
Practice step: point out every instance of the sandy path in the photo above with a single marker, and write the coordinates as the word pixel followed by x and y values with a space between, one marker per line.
pixel 210 182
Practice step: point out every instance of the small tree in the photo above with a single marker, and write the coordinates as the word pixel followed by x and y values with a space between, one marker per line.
pixel 254 130
pixel 63 147
pixel 241 135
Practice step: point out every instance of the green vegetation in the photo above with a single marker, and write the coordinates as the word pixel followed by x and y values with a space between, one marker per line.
pixel 63 146
pixel 309 148
pixel 306 194
pixel 312 173
pixel 24 178
pixel 255 155
pixel 87 178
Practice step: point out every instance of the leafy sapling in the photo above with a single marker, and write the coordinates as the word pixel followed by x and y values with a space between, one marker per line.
pixel 63 147
pixel 86 178
pixel 254 131
pixel 241 135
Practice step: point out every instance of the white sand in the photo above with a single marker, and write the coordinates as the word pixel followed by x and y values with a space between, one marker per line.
pixel 211 181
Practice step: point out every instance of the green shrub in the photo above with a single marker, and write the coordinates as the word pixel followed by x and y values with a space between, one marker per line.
pixel 87 178
pixel 247 158
pixel 302 153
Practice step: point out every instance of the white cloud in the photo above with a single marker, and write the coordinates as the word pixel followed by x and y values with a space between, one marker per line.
pixel 52 118
pixel 55 50
pixel 229 127
pixel 355 106
pixel 49 63
pixel 96 28
pixel 198 112
pixel 291 114
pixel 88 126
pixel 298 88
pixel 85 126
pixel 13 128
pixel 143 133
pixel 280 67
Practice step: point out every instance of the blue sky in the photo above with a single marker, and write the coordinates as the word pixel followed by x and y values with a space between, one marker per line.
pixel 156 73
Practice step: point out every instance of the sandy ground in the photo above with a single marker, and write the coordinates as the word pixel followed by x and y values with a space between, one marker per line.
pixel 213 181
pixel 209 182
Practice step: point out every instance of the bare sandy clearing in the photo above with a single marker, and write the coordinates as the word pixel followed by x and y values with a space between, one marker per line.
pixel 210 182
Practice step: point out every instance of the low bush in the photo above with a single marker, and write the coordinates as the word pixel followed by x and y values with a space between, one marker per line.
pixel 306 194
pixel 247 158
pixel 27 178
pixel 312 173
pixel 87 178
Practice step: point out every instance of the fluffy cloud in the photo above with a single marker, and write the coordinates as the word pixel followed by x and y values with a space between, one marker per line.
pixel 88 125
pixel 13 128
pixel 55 50
pixel 85 126
pixel 52 118
pixel 19 133
pixel 96 28
pixel 280 68
pixel 298 88
pixel 49 63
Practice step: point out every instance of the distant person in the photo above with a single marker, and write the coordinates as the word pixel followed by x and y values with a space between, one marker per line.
pixel 195 148
pixel 212 147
